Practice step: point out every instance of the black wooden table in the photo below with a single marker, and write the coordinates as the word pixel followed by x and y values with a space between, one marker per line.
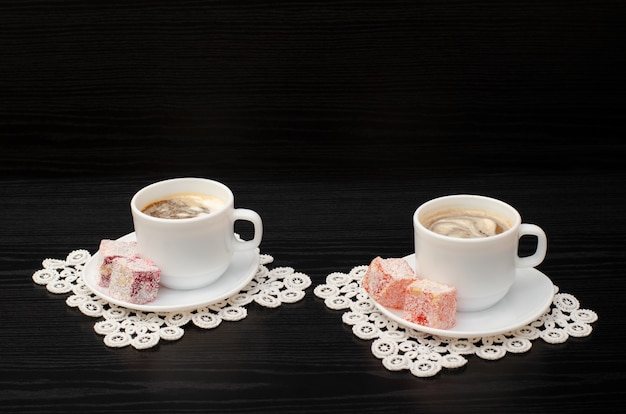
pixel 334 122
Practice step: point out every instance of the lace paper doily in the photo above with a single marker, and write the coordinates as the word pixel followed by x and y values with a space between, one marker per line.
pixel 122 327
pixel 423 354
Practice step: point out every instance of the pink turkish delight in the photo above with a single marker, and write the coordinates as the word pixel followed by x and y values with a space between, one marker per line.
pixel 134 280
pixel 109 250
pixel 386 281
pixel 431 304
pixel 393 284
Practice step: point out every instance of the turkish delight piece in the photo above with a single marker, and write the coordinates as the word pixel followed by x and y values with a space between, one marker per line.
pixel 387 279
pixel 134 280
pixel 109 250
pixel 430 304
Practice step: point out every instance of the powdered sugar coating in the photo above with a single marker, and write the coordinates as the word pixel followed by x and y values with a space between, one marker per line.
pixel 109 250
pixel 386 281
pixel 431 304
pixel 134 280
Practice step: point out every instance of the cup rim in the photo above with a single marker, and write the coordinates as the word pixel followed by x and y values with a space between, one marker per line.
pixel 137 211
pixel 514 225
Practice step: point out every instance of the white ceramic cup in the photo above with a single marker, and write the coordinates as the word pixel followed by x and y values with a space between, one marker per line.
pixel 482 269
pixel 191 252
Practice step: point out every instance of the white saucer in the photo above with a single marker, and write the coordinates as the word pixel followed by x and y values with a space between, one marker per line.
pixel 242 269
pixel 530 297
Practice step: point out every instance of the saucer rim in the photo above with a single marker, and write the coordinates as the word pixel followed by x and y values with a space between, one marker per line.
pixel 90 279
pixel 533 315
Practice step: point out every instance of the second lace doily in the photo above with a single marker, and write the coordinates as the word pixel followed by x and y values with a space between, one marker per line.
pixel 425 355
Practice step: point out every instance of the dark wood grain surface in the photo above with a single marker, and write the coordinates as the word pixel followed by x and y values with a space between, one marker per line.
pixel 333 120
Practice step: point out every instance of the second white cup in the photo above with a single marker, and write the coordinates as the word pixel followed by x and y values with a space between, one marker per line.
pixel 482 269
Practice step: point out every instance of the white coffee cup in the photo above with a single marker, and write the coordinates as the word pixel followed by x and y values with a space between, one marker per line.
pixel 191 252
pixel 482 269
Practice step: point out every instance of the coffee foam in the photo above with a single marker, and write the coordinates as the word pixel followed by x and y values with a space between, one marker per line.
pixel 183 205
pixel 466 224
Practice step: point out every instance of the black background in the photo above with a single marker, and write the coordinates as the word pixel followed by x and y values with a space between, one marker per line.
pixel 333 120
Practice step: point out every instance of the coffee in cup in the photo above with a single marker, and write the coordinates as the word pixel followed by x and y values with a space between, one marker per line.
pixel 183 205
pixel 465 223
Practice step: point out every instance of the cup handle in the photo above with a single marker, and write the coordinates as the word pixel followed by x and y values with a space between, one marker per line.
pixel 255 219
pixel 542 246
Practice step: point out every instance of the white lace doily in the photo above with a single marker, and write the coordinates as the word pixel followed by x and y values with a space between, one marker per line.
pixel 122 327
pixel 423 354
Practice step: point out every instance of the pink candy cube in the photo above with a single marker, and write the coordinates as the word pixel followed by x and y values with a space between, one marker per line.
pixel 386 281
pixel 134 280
pixel 109 250
pixel 431 304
